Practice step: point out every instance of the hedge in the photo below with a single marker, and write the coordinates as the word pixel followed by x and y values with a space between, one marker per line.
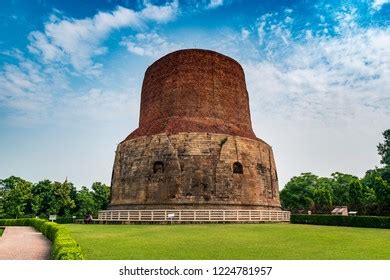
pixel 338 220
pixel 59 220
pixel 64 220
pixel 64 247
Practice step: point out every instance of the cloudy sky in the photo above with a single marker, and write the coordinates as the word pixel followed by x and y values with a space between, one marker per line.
pixel 318 76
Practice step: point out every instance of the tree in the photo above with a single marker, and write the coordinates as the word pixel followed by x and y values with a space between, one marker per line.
pixel 369 201
pixel 53 198
pixel 297 195
pixel 42 195
pixel 3 214
pixel 65 193
pixel 101 195
pixel 355 195
pixel 19 197
pixel 371 174
pixel 384 148
pixel 382 191
pixel 361 197
pixel 340 186
pixel 85 202
pixel 323 195
pixel 61 202
pixel 378 180
pixel 15 197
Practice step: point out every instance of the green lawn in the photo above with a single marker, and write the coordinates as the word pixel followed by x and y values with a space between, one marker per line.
pixel 1 231
pixel 230 241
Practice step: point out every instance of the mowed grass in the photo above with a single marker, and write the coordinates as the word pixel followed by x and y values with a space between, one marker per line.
pixel 230 241
pixel 1 231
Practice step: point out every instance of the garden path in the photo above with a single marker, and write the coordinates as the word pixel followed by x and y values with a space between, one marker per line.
pixel 24 243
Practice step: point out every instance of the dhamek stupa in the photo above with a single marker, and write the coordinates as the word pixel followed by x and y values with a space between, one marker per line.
pixel 195 147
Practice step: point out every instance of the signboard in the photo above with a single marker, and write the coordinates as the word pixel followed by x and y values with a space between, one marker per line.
pixel 52 217
pixel 171 216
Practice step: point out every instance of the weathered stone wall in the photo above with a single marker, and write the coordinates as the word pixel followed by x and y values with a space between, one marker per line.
pixel 194 91
pixel 194 170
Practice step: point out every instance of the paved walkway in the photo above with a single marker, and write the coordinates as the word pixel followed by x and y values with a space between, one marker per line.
pixel 24 243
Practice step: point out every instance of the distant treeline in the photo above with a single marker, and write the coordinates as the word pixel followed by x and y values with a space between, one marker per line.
pixel 21 198
pixel 369 195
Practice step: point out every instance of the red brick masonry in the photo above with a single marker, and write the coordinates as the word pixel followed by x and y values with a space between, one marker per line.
pixel 194 91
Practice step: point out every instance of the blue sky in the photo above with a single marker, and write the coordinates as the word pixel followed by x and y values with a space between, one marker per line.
pixel 318 76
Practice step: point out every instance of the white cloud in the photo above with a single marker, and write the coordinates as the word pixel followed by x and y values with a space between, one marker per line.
pixel 377 4
pixel 327 98
pixel 98 105
pixel 28 89
pixel 323 77
pixel 148 44
pixel 160 13
pixel 346 20
pixel 261 27
pixel 41 46
pixel 214 4
pixel 327 78
pixel 274 34
pixel 78 41
pixel 37 94
pixel 44 89
pixel 245 33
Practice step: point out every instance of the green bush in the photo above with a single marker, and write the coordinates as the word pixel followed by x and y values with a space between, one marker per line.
pixel 64 220
pixel 64 247
pixel 347 221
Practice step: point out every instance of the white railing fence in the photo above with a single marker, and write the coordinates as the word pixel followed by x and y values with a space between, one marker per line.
pixel 195 215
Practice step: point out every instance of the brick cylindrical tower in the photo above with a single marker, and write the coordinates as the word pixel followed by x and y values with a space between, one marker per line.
pixel 194 90
pixel 194 147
